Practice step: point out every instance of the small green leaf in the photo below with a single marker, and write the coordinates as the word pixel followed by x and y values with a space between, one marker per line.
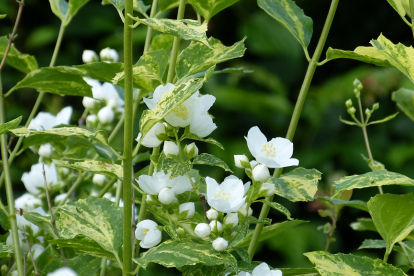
pixel 46 257
pixel 209 159
pixel 94 166
pixel 209 8
pixel 277 207
pixel 61 80
pixel 373 244
pixel 176 168
pixel 197 56
pixel 140 7
pixel 348 122
pixel 398 6
pixel 190 253
pixel 83 245
pixel 118 4
pixel 363 224
pixel 350 265
pixel 230 260
pixel 66 11
pixel 5 250
pixel 365 54
pixel 386 119
pixel 44 222
pixel 287 13
pixel 2 16
pixel 405 101
pixel 83 265
pixel 168 4
pixel 371 179
pixel 243 253
pixel 298 185
pixel 197 138
pixel 4 128
pixel 393 216
pixel 186 29
pixel 22 62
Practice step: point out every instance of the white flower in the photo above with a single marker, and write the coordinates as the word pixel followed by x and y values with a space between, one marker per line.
pixel 231 220
pixel 202 230
pixel 244 211
pixel 190 207
pixel 106 115
pixel 37 249
pixel 89 56
pixel 166 196
pixel 105 92
pixel 27 202
pixel 63 271
pixel 276 153
pixel 191 150
pixel 45 120
pixel 202 124
pixel 159 180
pixel 267 189
pixel 261 173
pixel 23 224
pixel 212 214
pixel 45 150
pixel 239 160
pixel 109 55
pixel 91 120
pixel 220 244
pixel 170 148
pixel 89 103
pixel 98 179
pixel 150 140
pixel 227 197
pixel 264 270
pixel 60 198
pixel 216 226
pixel 22 241
pixel 148 233
pixel 157 95
pixel 34 182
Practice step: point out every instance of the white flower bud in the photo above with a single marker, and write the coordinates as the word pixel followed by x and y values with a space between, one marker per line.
pixel 37 249
pixel 244 211
pixel 149 199
pixel 241 161
pixel 109 55
pixel 261 173
pixel 267 189
pixel 202 230
pixel 191 150
pixel 63 172
pixel 59 198
pixel 91 120
pixel 216 226
pixel 212 214
pixel 113 103
pixel 190 207
pixel 166 196
pixel 89 56
pixel 89 103
pixel 106 115
pixel 45 150
pixel 99 179
pixel 170 148
pixel 63 271
pixel 253 163
pixel 231 220
pixel 27 202
pixel 220 244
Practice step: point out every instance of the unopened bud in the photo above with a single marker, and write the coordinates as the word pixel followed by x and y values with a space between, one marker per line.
pixel 106 115
pixel 231 220
pixel 166 196
pixel 375 106
pixel 241 161
pixel 348 103
pixel 212 214
pixel 109 55
pixel 267 189
pixel 89 56
pixel 220 244
pixel 170 148
pixel 357 93
pixel 187 210
pixel 216 226
pixel 351 110
pixel 261 173
pixel 191 150
pixel 357 84
pixel 202 230
pixel 368 112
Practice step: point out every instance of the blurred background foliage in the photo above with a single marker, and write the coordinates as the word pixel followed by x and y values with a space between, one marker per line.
pixel 264 98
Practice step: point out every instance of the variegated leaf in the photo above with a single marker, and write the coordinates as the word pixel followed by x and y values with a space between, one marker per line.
pixel 4 128
pixel 102 71
pixel 211 160
pixel 94 166
pixel 373 244
pixel 371 179
pixel 84 245
pixel 350 265
pixel 192 136
pixel 5 250
pixel 186 29
pixel 291 17
pixel 44 222
pixel 98 219
pixel 83 265
pixel 197 56
pixel 209 8
pixel 22 62
pixel 364 54
pixel 170 165
pixel 277 207
pixel 401 6
pixel 405 101
pixel 298 185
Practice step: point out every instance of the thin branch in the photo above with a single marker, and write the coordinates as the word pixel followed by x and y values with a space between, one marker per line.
pixel 31 254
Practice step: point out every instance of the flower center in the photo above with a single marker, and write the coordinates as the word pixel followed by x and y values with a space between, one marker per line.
pixel 269 150
pixel 145 231
pixel 222 195
pixel 180 111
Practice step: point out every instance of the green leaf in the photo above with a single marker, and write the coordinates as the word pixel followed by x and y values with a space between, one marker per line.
pixel 140 7
pixel 298 185
pixel 287 13
pixel 197 56
pixel 348 122
pixel 386 119
pixel 371 179
pixel 365 54
pixel 4 128
pixel 277 207
pixel 168 4
pixel 363 224
pixel 186 29
pixel 400 56
pixel 270 232
pixel 94 167
pixel 398 6
pixel 61 80
pixel 209 159
pixel 393 216
pixel 358 204
pixel 118 4
pixel 46 257
pixel 83 265
pixel 350 265
pixel 162 41
pixel 102 71
pixel 44 222
pixel 373 244
pixel 176 168
pixel 5 250
pixel 209 8
pixel 22 62
pixel 177 254
pixel 66 11
pixel 193 136
pixel 230 260
pixel 98 219
pixel 243 253
pixel 2 16
pixel 4 217
pixel 405 101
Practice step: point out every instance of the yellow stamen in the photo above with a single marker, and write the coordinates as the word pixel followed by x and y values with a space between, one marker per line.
pixel 269 150
pixel 222 195
pixel 180 111
pixel 145 231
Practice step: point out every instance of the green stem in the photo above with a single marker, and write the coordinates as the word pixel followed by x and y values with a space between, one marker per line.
pixel 296 114
pixel 176 44
pixel 74 186
pixel 412 15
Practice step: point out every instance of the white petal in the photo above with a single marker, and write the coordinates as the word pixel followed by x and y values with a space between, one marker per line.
pixel 180 184
pixel 63 117
pixel 261 270
pixel 255 140
pixel 284 148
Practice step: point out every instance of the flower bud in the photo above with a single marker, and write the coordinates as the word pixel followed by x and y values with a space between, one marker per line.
pixel 245 212
pixel 113 103
pixel 63 271
pixel 348 103
pixel 170 148
pixel 191 150
pixel 241 161
pixel 267 189
pixel 261 173
pixel 109 55
pixel 106 115
pixel 181 232
pixel 351 110
pixel 375 106
pixel 231 220
pixel 45 150
pixel 89 56
pixel 212 214
pixel 220 244
pixel 189 207
pixel 37 249
pixel 59 198
pixel 253 163
pixel 166 196
pixel 99 179
pixel 91 120
pixel 367 112
pixel 202 230
pixel 357 84
pixel 63 172
pixel 149 199
pixel 216 226
pixel 89 103
pixel 357 93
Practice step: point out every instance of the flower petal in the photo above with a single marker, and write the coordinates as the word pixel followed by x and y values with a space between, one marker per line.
pixel 255 140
